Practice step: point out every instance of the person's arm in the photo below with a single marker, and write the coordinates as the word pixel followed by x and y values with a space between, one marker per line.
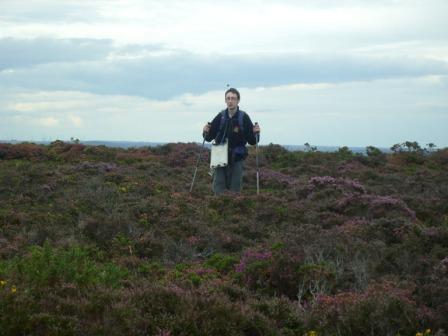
pixel 250 130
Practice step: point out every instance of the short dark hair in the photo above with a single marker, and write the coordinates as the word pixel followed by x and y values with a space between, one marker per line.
pixel 235 91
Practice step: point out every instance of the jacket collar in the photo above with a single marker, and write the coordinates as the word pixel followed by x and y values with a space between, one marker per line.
pixel 235 114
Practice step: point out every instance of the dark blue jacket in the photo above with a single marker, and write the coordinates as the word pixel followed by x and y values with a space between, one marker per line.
pixel 232 131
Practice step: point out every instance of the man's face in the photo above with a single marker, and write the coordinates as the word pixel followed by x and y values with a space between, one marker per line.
pixel 232 100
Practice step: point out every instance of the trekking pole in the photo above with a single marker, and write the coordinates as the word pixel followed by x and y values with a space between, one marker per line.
pixel 197 162
pixel 257 135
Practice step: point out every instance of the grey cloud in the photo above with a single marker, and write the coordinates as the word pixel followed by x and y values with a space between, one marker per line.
pixel 162 77
pixel 48 10
pixel 17 53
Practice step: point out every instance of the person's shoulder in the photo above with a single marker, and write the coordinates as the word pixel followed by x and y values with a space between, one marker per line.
pixel 245 115
pixel 220 114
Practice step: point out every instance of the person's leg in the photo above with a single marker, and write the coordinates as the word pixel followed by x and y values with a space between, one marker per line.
pixel 236 177
pixel 219 180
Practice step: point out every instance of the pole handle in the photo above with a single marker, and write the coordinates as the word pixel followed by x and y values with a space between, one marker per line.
pixel 257 134
pixel 204 134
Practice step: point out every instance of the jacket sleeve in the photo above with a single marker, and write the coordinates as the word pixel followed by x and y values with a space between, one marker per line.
pixel 214 129
pixel 249 130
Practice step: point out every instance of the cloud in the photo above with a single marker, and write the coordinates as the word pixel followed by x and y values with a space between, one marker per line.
pixel 220 27
pixel 379 113
pixel 19 53
pixel 159 73
pixel 76 120
pixel 46 122
pixel 325 72
pixel 49 10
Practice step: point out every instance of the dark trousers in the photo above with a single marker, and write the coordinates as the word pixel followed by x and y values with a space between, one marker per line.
pixel 228 178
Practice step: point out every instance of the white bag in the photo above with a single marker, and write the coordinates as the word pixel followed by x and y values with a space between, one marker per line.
pixel 219 155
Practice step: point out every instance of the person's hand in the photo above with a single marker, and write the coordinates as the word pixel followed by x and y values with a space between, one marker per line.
pixel 206 128
pixel 256 128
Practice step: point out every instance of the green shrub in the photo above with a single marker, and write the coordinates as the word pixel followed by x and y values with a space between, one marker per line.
pixel 222 263
pixel 48 266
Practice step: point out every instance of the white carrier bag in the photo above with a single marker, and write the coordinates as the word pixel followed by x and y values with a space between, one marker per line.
pixel 219 155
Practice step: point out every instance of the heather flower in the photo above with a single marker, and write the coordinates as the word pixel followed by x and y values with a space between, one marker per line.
pixel 389 201
pixel 164 332
pixel 270 175
pixel 252 256
pixel 337 183
pixel 175 289
pixel 349 167
pixel 193 240
pixel 431 232
pixel 374 203
pixel 203 271
pixel 101 167
pixel 352 225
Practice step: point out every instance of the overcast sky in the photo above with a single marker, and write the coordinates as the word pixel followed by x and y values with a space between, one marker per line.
pixel 340 73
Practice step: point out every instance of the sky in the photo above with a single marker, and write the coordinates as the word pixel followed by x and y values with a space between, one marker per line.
pixel 324 72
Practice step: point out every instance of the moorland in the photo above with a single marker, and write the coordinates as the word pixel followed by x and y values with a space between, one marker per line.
pixel 109 241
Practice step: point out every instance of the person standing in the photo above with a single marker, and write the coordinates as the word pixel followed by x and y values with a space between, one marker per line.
pixel 232 125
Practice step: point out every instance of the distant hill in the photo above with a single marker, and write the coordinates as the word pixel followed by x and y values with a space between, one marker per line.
pixel 137 144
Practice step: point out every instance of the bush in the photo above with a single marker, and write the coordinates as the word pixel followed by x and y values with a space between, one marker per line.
pixel 382 310
pixel 47 267
pixel 222 263
pixel 27 151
